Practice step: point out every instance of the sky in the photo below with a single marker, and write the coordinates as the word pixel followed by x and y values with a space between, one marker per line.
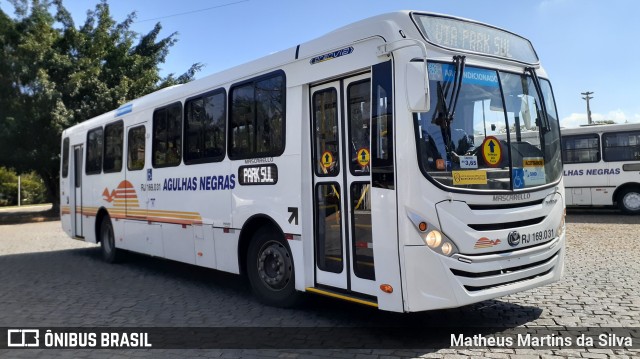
pixel 584 45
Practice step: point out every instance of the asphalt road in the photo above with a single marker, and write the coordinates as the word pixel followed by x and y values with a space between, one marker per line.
pixel 48 279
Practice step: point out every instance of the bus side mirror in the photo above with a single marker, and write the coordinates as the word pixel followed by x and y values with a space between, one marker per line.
pixel 417 83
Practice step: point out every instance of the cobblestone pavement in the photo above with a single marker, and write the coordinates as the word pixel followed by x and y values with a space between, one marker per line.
pixel 48 279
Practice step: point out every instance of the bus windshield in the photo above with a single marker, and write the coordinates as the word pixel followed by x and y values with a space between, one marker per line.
pixel 498 135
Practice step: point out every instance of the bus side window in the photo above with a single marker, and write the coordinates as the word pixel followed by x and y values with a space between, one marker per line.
pixel 621 146
pixel 581 149
pixel 94 151
pixel 136 146
pixel 113 147
pixel 257 117
pixel 382 170
pixel 204 128
pixel 167 136
pixel 65 157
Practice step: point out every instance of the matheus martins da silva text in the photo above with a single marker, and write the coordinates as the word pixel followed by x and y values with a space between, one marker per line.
pixel 608 340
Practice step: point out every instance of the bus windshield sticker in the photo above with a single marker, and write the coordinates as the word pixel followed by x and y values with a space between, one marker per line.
pixel 469 177
pixel 332 55
pixel 517 179
pixel 258 175
pixel 534 174
pixel 468 162
pixel 471 76
pixel 491 151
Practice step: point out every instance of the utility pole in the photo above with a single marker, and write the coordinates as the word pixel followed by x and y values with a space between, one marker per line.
pixel 587 97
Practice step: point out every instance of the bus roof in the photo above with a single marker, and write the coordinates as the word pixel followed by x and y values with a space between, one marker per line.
pixel 600 128
pixel 387 26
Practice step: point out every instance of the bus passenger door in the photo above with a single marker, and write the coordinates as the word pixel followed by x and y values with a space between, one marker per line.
pixel 76 207
pixel 341 115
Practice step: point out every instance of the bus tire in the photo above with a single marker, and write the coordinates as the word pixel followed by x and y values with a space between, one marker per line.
pixel 629 201
pixel 270 269
pixel 107 241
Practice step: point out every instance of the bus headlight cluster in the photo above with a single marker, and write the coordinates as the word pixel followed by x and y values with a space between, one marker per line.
pixel 432 236
pixel 439 243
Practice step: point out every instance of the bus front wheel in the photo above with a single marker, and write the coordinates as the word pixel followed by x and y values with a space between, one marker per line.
pixel 270 269
pixel 629 201
pixel 107 241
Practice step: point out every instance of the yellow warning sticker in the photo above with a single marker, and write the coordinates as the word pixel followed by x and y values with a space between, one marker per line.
pixel 533 162
pixel 363 157
pixel 326 159
pixel 491 151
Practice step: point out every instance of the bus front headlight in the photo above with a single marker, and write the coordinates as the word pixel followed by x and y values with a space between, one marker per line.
pixel 433 239
pixel 447 249
pixel 439 243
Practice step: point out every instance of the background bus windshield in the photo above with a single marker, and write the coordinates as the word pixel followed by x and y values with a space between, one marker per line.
pixel 496 140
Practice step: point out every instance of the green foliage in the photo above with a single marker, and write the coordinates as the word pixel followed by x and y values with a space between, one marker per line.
pixel 54 75
pixel 8 187
pixel 32 189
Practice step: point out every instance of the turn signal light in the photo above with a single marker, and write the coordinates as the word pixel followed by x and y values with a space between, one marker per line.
pixel 386 288
pixel 422 226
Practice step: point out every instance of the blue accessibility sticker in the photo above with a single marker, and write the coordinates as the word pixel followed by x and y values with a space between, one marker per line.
pixel 517 178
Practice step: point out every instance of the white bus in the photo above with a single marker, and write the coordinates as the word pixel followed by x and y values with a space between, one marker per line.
pixel 338 167
pixel 602 166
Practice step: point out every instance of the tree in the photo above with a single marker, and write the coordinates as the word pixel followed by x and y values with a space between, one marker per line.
pixel 32 188
pixel 54 75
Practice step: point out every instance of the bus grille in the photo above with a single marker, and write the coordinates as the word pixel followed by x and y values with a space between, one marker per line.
pixel 486 207
pixel 506 271
pixel 475 289
pixel 481 227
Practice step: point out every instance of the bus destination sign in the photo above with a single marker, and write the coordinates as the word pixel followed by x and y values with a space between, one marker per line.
pixel 474 37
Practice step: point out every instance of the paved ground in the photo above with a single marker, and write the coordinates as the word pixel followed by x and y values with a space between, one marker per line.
pixel 28 214
pixel 47 279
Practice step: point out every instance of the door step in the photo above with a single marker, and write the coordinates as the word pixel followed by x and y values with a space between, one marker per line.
pixel 351 297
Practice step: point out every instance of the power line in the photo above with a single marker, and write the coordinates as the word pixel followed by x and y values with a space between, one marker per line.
pixel 192 12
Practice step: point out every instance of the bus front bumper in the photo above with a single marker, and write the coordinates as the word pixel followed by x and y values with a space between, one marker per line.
pixel 435 281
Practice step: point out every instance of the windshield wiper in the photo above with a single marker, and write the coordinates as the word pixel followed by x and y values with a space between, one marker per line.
pixel 457 85
pixel 536 83
pixel 444 114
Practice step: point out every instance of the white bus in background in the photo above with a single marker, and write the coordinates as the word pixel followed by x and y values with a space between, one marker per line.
pixel 602 166
pixel 362 165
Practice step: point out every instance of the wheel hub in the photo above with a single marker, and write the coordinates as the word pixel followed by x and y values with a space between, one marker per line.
pixel 632 201
pixel 274 266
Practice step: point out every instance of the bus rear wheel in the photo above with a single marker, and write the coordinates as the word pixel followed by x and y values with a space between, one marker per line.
pixel 270 269
pixel 629 201
pixel 107 241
